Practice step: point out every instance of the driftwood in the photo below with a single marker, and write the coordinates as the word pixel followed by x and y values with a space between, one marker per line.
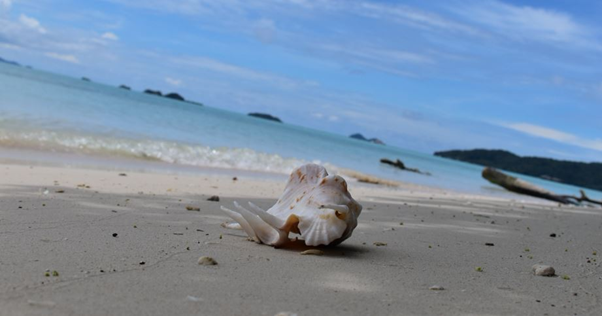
pixel 399 164
pixel 516 185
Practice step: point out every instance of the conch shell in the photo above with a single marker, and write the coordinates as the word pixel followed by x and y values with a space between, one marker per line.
pixel 314 205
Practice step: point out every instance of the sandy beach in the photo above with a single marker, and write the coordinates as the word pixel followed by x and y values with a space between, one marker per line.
pixel 97 242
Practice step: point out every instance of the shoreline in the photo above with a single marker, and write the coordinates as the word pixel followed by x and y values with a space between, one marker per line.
pixel 128 245
pixel 70 160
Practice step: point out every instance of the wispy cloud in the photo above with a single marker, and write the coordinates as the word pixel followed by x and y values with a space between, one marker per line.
pixel 238 72
pixel 31 23
pixel 530 23
pixel 5 4
pixel 173 82
pixel 110 36
pixel 410 16
pixel 555 135
pixel 64 57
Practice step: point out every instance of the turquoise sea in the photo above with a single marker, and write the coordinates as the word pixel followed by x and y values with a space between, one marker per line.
pixel 44 112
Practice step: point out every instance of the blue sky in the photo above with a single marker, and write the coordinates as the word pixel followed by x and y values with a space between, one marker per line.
pixel 423 75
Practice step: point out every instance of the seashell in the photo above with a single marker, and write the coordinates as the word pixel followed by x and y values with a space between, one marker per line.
pixel 314 205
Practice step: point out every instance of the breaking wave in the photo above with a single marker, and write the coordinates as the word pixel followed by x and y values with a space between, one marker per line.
pixel 156 150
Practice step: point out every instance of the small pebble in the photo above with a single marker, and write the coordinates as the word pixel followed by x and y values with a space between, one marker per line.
pixel 436 288
pixel 123 175
pixel 380 244
pixel 142 263
pixel 315 252
pixel 59 191
pixel 193 208
pixel 214 198
pixel 207 261
pixel 489 244
pixel 115 235
pixel 552 235
pixel 234 179
pixel 543 270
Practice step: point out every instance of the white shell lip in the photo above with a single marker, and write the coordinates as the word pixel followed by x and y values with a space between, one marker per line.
pixel 317 206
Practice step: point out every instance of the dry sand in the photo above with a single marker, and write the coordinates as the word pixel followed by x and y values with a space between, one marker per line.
pixel 127 245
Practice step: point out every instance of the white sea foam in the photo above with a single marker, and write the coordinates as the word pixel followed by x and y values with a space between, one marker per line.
pixel 158 150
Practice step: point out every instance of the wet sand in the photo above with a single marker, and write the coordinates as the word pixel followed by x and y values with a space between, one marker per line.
pixel 127 245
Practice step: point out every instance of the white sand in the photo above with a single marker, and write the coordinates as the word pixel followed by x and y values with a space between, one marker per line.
pixel 441 242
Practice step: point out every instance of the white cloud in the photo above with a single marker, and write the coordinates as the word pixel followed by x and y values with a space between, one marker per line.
pixel 110 36
pixel 63 57
pixel 173 82
pixel 31 23
pixel 556 135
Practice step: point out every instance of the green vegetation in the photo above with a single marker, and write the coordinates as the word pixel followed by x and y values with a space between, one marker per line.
pixel 587 175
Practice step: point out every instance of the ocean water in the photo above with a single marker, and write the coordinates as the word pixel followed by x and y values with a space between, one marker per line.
pixel 41 111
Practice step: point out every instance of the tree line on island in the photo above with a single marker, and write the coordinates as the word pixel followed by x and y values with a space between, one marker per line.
pixel 586 175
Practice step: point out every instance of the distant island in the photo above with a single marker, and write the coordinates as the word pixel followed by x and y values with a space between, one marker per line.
pixel 171 95
pixel 587 175
pixel 361 137
pixel 265 117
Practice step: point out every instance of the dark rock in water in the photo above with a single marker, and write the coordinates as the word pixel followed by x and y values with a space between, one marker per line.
pixel 399 164
pixel 86 79
pixel 358 136
pixel 266 117
pixel 154 92
pixel 376 141
pixel 125 87
pixel 361 137
pixel 14 63
pixel 174 96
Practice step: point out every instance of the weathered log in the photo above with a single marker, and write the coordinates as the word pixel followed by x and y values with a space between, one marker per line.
pixel 399 164
pixel 583 198
pixel 516 185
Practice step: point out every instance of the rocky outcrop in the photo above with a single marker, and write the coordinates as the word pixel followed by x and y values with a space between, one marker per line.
pixel 153 92
pixel 361 137
pixel 124 87
pixel 265 117
pixel 174 96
